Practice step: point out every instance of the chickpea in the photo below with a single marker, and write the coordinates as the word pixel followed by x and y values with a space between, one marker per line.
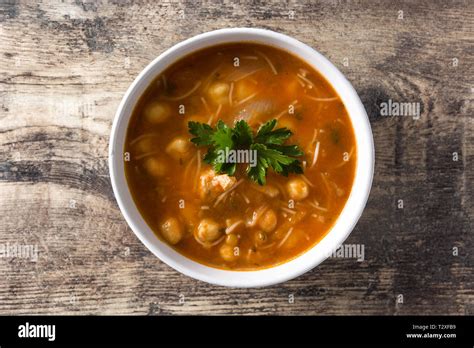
pixel 292 87
pixel 260 238
pixel 144 145
pixel 297 189
pixel 243 89
pixel 178 148
pixel 232 240
pixel 157 112
pixel 208 231
pixel 218 92
pixel 172 230
pixel 271 191
pixel 268 221
pixel 228 252
pixel 156 166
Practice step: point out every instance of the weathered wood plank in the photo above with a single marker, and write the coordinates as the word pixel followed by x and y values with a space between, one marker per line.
pixel 63 69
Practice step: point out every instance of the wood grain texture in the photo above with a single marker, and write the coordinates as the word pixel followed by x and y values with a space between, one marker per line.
pixel 64 67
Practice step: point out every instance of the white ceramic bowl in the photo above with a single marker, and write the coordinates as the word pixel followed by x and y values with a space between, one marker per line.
pixel 349 215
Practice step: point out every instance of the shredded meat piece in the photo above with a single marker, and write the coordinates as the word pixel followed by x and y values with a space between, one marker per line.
pixel 211 185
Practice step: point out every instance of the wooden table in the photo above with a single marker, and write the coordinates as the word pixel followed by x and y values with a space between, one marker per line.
pixel 64 68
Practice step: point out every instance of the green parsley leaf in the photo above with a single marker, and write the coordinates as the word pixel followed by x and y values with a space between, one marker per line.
pixel 274 158
pixel 268 143
pixel 220 141
pixel 243 135
pixel 222 137
pixel 289 150
pixel 259 172
pixel 267 135
pixel 202 133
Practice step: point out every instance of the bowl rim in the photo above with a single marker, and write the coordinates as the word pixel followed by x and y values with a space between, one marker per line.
pixel 310 258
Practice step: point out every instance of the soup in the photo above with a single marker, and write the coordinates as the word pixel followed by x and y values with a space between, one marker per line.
pixel 240 156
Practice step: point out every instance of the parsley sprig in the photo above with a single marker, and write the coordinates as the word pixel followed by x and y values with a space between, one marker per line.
pixel 268 143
